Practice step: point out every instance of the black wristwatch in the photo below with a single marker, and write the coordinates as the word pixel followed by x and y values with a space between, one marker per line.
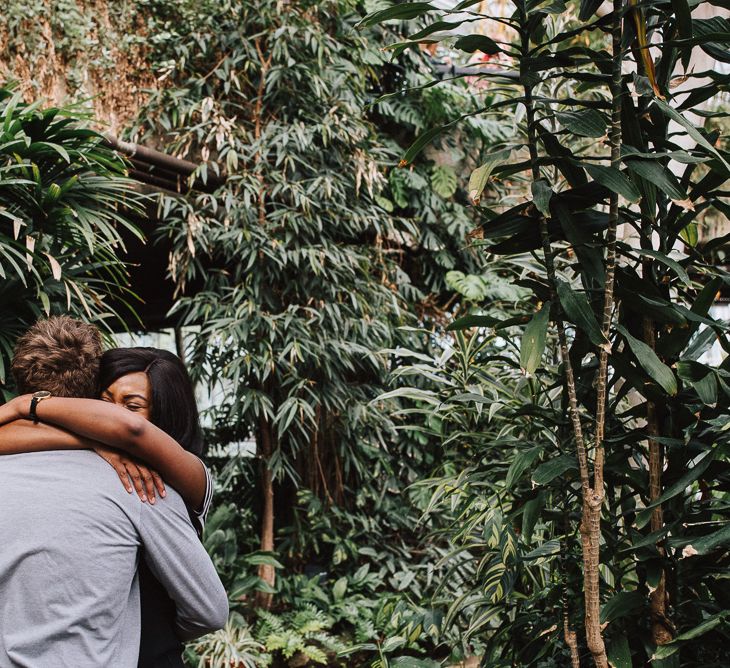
pixel 37 398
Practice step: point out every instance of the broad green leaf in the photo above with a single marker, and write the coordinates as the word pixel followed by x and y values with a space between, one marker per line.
pixel 649 361
pixel 671 263
pixel 413 662
pixel 580 313
pixel 403 12
pixel 614 180
pixel 701 464
pixel 541 194
pixel 663 651
pixel 659 175
pixel 547 549
pixel 530 513
pixel 702 378
pixel 480 176
pixel 553 468
pixel 470 286
pixel 619 652
pixel 522 460
pixel 533 341
pixel 691 130
pixel 586 122
pixel 622 604
pixel 385 203
pixel 339 589
pixel 477 42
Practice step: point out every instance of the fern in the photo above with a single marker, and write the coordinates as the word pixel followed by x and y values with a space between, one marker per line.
pixel 304 631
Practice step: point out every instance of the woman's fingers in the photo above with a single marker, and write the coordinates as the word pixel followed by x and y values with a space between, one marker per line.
pixel 148 482
pixel 159 483
pixel 136 475
pixel 122 473
pixel 117 463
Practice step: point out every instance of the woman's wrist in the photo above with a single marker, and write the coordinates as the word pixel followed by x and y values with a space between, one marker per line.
pixel 21 406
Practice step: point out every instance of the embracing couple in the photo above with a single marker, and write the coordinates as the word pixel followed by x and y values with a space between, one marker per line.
pixel 101 565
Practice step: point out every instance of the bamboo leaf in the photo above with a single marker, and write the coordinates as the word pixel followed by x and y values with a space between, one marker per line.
pixel 588 8
pixel 403 12
pixel 691 130
pixel 480 176
pixel 477 42
pixel 649 361
pixel 622 604
pixel 579 312
pixel 695 471
pixel 669 262
pixel 641 36
pixel 533 341
pixel 423 140
pixel 541 194
pixel 553 468
pixel 586 122
pixel 708 543
pixel 664 651
pixel 614 180
pixel 469 321
pixel 702 378
pixel 655 173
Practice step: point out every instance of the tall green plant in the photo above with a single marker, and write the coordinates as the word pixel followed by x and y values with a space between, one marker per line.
pixel 650 290
pixel 307 262
pixel 64 201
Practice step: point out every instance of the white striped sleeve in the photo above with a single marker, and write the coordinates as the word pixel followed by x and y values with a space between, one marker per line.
pixel 198 516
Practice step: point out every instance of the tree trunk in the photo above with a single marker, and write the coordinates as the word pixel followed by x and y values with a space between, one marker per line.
pixel 266 571
pixel 661 626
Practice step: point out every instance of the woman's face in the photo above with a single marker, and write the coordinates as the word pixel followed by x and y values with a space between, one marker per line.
pixel 131 391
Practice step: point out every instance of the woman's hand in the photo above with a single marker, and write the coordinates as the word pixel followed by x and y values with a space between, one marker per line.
pixel 13 409
pixel 146 481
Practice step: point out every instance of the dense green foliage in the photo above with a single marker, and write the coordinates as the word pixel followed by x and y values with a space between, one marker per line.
pixel 416 489
pixel 314 259
pixel 513 481
pixel 61 199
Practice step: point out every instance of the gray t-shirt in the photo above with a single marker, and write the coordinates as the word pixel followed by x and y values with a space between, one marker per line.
pixel 70 540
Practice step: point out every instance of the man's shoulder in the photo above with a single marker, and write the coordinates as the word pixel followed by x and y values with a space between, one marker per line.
pixel 77 469
pixel 171 508
pixel 57 458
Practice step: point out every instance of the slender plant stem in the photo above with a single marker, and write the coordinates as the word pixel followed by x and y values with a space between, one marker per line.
pixel 608 298
pixel 661 627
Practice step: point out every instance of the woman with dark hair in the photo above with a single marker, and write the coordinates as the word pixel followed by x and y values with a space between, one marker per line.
pixel 165 434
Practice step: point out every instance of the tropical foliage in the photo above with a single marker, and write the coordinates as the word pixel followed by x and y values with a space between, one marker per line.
pixel 489 424
pixel 64 201
pixel 613 445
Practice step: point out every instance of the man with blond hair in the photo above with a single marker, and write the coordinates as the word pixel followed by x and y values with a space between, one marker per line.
pixel 72 536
